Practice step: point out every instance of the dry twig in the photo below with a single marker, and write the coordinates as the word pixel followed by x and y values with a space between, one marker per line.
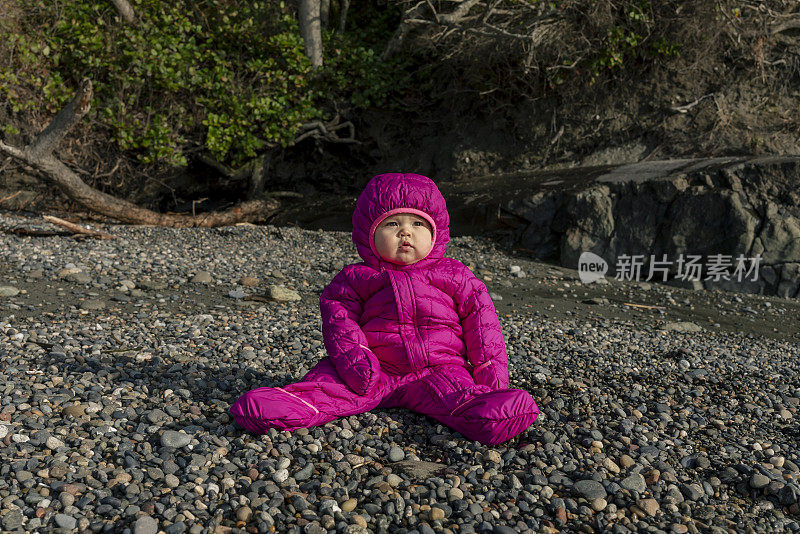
pixel 77 229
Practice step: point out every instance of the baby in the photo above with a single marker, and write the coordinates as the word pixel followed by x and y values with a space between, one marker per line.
pixel 406 327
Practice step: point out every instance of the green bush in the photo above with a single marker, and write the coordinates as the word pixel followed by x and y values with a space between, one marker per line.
pixel 228 77
pixel 630 40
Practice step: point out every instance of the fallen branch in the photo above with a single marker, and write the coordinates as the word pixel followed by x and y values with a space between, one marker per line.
pixel 39 155
pixel 685 108
pixel 76 229
pixel 644 306
pixel 9 197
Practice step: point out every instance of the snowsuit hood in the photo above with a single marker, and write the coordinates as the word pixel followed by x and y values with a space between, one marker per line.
pixel 392 193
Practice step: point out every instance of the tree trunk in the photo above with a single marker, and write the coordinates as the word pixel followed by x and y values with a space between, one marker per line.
pixel 39 155
pixel 324 13
pixel 311 31
pixel 343 15
pixel 125 10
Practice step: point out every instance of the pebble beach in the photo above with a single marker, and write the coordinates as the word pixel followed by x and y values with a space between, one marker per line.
pixel 120 358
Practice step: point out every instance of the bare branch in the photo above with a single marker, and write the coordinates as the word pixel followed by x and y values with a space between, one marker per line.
pixel 459 13
pixel 320 130
pixel 109 173
pixel 489 10
pixel 791 24
pixel 9 197
pixel 63 122
pixel 396 42
pixel 685 108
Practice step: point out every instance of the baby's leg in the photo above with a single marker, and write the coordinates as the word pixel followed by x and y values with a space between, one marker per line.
pixel 319 398
pixel 449 395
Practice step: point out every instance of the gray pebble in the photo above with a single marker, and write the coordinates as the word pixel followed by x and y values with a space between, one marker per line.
pixel 590 489
pixel 65 521
pixel 396 454
pixel 8 291
pixel 145 525
pixel 634 482
pixel 171 438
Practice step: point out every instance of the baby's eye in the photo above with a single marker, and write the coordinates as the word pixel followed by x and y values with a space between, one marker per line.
pixel 417 223
pixel 391 223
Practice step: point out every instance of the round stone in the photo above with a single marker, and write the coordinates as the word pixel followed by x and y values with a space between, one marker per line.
pixel 609 464
pixel 282 294
pixel 493 456
pixel 650 506
pixel 145 525
pixel 758 481
pixel 66 499
pixel 248 281
pixel 393 480
pixel 634 482
pixel 598 505
pixel 202 277
pixel 305 473
pixel 12 520
pixel 8 291
pixel 74 410
pixel 53 443
pixel 65 521
pixel 396 454
pixel 280 475
pixel 590 489
pixel 437 514
pixel 244 514
pixel 349 505
pixel 93 304
pixel 176 440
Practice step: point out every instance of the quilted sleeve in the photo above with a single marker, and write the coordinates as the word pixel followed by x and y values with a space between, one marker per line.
pixel 486 348
pixel 344 340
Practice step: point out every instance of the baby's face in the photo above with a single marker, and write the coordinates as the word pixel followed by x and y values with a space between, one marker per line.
pixel 403 238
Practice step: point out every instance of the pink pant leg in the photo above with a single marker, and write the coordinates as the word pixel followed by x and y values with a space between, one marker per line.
pixel 321 396
pixel 449 395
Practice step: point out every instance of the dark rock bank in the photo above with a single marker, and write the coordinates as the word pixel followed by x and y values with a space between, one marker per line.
pixel 719 213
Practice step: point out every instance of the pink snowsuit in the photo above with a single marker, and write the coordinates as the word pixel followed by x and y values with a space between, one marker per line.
pixel 423 336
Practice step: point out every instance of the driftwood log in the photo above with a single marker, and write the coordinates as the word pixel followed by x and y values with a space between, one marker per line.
pixel 39 155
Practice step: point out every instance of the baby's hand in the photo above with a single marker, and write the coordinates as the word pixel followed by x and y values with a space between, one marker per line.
pixel 362 374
